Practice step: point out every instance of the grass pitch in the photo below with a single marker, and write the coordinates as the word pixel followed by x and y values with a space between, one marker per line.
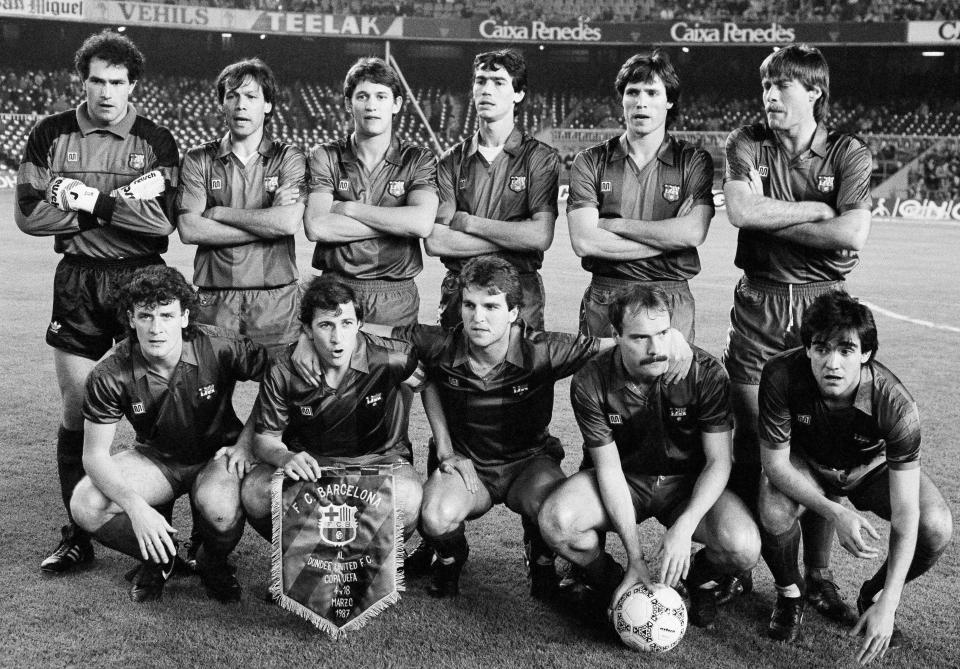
pixel 86 619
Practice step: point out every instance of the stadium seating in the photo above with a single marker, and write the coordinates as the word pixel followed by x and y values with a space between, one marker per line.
pixel 308 113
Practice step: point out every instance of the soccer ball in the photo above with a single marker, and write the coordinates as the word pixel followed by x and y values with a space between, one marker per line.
pixel 650 621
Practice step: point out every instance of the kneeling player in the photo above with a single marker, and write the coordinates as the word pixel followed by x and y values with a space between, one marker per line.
pixel 174 381
pixel 355 417
pixel 661 450
pixel 834 422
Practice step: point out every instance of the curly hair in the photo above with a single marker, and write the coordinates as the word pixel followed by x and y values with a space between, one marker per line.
pixel 112 47
pixel 494 274
pixel 153 286
pixel 327 293
pixel 835 313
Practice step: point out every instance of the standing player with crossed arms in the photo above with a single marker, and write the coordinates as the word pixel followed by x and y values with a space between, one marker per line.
pixel 800 195
pixel 99 179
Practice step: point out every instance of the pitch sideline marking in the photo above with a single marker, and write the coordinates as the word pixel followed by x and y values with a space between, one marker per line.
pixel 908 319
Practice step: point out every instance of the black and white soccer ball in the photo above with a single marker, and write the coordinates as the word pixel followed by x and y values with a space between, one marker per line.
pixel 650 621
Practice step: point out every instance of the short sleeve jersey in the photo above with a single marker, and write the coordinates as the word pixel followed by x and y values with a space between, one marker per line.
pixel 212 176
pixel 504 416
pixel 883 419
pixel 363 417
pixel 657 428
pixel 520 182
pixel 835 170
pixel 70 145
pixel 605 178
pixel 187 417
pixel 406 168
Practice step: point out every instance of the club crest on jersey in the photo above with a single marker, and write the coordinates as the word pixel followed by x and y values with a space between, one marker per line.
pixel 518 184
pixel 216 184
pixel 764 171
pixel 343 184
pixel 338 525
pixel 606 186
pixel 206 392
pixel 804 419
pixel 374 400
pixel 306 411
pixel 678 412
pixel 54 327
pixel 615 418
pixel 138 409
pixel 270 184
pixel 136 161
pixel 520 389
pixel 671 192
pixel 396 188
pixel 825 184
pixel 73 156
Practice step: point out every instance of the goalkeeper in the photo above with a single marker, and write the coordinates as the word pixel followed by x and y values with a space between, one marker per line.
pixel 98 179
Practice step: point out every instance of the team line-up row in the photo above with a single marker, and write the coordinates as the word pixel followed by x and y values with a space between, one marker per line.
pixel 657 414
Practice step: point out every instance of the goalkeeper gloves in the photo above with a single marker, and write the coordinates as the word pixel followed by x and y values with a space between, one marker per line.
pixel 147 187
pixel 71 195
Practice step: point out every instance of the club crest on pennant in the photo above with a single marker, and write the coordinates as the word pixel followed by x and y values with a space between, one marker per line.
pixel 343 184
pixel 136 161
pixel 671 192
pixel 270 184
pixel 396 188
pixel 825 184
pixel 338 525
pixel 518 184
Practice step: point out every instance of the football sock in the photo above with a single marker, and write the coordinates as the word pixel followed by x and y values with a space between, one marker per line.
pixel 537 550
pixel 217 544
pixel 599 569
pixel 818 535
pixel 780 552
pixel 69 462
pixel 704 572
pixel 452 546
pixel 117 533
pixel 923 560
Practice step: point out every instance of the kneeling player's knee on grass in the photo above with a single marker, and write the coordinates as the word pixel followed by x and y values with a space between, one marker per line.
pixel 777 512
pixel 439 517
pixel 557 522
pixel 936 527
pixel 255 497
pixel 409 497
pixel 739 545
pixel 88 506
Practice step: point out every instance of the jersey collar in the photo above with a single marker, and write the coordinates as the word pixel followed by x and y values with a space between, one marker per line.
pixel 188 355
pixel 461 354
pixel 511 146
pixel 666 154
pixel 818 145
pixel 392 156
pixel 121 130
pixel 267 149
pixel 359 361
pixel 863 402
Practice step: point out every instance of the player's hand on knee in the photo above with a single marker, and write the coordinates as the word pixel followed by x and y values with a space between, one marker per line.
pixel 239 459
pixel 674 554
pixel 306 362
pixel 850 527
pixel 286 195
pixel 154 534
pixel 456 464
pixel 876 626
pixel 302 467
pixel 679 359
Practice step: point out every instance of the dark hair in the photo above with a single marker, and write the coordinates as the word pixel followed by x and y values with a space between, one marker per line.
pixel 496 275
pixel 641 68
pixel 234 75
pixel 112 47
pixel 807 65
pixel 327 293
pixel 374 70
pixel 155 285
pixel 835 313
pixel 630 301
pixel 509 59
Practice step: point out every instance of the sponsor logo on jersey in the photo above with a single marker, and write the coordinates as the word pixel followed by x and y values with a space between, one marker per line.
pixel 138 409
pixel 216 184
pixel 270 184
pixel 461 184
pixel 804 419
pixel 206 392
pixel 862 439
pixel 343 184
pixel 615 418
pixel 521 389
pixel 306 411
pixel 606 186
pixel 671 192
pixel 396 188
pixel 518 184
pixel 54 327
pixel 825 184
pixel 678 412
pixel 453 381
pixel 374 400
pixel 136 161
pixel 73 156
pixel 764 171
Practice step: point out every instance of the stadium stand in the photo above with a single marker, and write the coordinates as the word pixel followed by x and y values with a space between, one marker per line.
pixel 310 112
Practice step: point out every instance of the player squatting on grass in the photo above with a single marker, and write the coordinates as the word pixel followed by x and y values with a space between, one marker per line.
pixel 110 226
